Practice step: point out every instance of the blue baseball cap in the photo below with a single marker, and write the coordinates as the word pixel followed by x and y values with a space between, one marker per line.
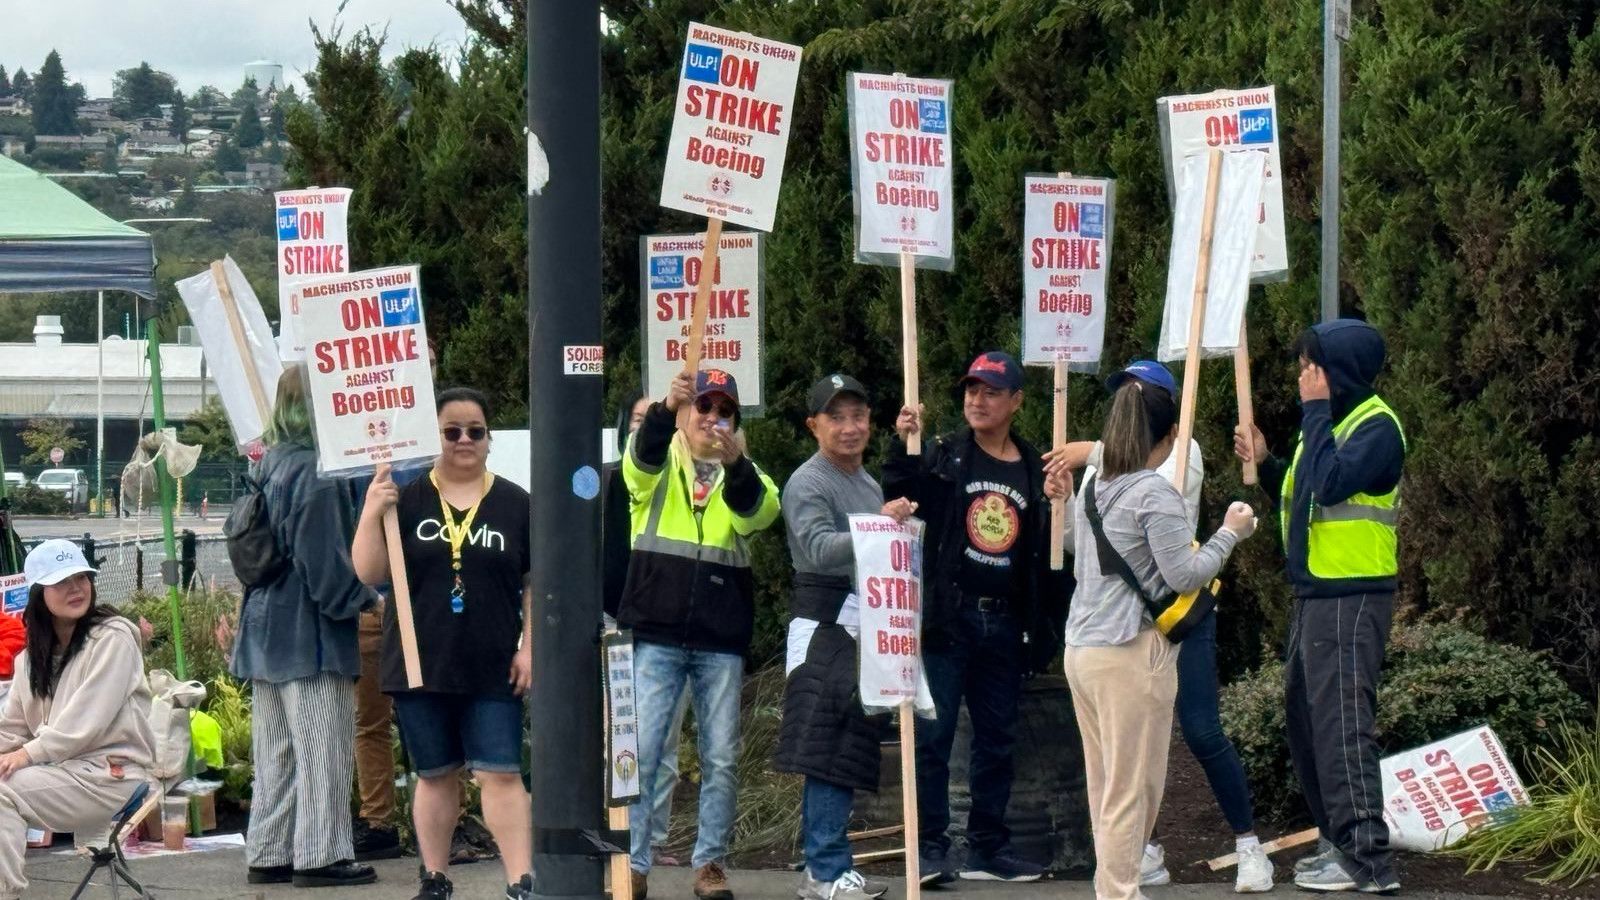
pixel 1148 371
pixel 715 381
pixel 996 368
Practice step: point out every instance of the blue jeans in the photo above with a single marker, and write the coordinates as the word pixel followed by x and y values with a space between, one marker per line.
pixel 666 779
pixel 1202 725
pixel 824 816
pixel 660 673
pixel 982 662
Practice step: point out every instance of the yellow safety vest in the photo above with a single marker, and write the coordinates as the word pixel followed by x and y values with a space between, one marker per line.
pixel 1356 538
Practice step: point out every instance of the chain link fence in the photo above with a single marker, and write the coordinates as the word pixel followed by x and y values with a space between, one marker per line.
pixel 130 566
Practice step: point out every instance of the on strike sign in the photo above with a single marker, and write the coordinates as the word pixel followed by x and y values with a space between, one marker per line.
pixel 1235 121
pixel 1066 252
pixel 731 129
pixel 671 272
pixel 313 240
pixel 901 165
pixel 1434 795
pixel 368 372
pixel 889 587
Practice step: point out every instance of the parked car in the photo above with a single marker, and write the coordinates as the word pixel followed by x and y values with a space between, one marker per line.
pixel 72 483
pixel 15 480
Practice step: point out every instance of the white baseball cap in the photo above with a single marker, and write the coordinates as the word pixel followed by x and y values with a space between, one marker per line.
pixel 54 561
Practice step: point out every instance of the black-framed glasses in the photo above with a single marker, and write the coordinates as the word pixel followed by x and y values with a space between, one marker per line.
pixel 453 433
pixel 726 409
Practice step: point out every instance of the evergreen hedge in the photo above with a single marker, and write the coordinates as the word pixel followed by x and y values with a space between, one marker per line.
pixel 1471 177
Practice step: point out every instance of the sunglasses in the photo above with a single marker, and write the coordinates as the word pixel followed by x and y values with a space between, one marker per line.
pixel 726 409
pixel 452 433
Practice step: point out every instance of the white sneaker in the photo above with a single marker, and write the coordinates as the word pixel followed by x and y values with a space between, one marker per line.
pixel 1255 872
pixel 1153 867
pixel 849 886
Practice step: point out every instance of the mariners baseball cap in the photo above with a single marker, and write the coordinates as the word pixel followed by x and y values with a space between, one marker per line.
pixel 54 561
pixel 1147 371
pixel 996 368
pixel 715 381
pixel 824 392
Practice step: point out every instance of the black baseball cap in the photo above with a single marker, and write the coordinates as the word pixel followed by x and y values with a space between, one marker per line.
pixel 996 368
pixel 829 388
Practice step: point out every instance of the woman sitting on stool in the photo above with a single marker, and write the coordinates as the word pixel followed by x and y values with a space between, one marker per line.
pixel 75 738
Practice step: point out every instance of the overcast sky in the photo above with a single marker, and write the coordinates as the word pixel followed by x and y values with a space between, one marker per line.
pixel 202 41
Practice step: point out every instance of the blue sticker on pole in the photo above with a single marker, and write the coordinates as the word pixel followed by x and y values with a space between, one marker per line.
pixel 931 117
pixel 1255 126
pixel 586 483
pixel 400 307
pixel 666 272
pixel 702 63
pixel 289 223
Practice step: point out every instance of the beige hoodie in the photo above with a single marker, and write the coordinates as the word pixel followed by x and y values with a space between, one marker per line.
pixel 100 710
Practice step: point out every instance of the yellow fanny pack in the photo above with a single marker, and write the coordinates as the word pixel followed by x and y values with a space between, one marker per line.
pixel 1175 616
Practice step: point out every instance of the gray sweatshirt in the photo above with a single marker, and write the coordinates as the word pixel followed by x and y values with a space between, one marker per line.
pixel 818 501
pixel 1145 521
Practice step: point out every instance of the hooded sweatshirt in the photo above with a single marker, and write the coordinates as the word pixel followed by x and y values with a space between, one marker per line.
pixel 100 709
pixel 1351 353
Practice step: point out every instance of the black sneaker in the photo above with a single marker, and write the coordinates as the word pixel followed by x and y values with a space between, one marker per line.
pixel 933 866
pixel 1002 865
pixel 522 890
pixel 270 874
pixel 434 887
pixel 338 874
pixel 375 842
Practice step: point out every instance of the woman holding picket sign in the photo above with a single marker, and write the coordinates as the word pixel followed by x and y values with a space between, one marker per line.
pixel 464 538
pixel 1134 550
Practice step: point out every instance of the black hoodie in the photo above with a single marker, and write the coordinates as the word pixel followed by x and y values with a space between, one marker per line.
pixel 616 528
pixel 1351 353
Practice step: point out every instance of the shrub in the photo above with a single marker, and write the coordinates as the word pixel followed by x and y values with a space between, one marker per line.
pixel 1439 679
pixel 228 702
pixel 205 658
pixel 32 500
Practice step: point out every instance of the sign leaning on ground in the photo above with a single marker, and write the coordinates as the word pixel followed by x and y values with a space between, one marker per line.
pixel 901 164
pixel 1436 794
pixel 367 367
pixel 671 271
pixel 1236 122
pixel 313 241
pixel 730 132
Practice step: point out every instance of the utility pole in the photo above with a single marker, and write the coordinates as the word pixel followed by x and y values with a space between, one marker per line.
pixel 1335 31
pixel 565 416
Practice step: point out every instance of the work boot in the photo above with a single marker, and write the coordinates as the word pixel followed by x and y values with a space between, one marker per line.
pixel 641 885
pixel 711 883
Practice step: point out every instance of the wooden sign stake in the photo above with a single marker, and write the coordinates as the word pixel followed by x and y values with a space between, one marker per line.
pixel 1241 385
pixel 402 599
pixel 702 304
pixel 247 358
pixel 1197 321
pixel 1058 508
pixel 908 797
pixel 1298 839
pixel 908 337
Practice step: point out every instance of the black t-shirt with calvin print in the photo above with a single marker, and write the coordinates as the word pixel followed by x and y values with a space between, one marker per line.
pixel 466 652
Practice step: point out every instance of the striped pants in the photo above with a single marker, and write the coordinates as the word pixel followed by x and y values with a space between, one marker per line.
pixel 303 739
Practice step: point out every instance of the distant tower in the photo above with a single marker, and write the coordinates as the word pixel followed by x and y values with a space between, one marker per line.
pixel 267 74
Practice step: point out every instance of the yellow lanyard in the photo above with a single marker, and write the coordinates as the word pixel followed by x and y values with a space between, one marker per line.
pixel 456 534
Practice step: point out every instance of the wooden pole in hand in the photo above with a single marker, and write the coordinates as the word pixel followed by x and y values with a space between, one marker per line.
pixel 1197 320
pixel 1241 385
pixel 401 586
pixel 908 797
pixel 908 338
pixel 1058 508
pixel 230 308
pixel 702 303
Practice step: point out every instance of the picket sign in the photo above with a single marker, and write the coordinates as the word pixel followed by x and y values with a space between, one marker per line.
pixel 239 346
pixel 371 390
pixel 230 308
pixel 1197 319
pixel 620 720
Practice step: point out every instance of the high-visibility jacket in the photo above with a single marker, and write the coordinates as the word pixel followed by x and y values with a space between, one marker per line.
pixel 689 581
pixel 1358 537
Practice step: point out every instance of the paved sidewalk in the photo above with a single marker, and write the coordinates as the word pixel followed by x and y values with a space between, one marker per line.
pixel 220 876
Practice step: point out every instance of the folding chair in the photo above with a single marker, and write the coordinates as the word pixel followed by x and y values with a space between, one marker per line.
pixel 110 856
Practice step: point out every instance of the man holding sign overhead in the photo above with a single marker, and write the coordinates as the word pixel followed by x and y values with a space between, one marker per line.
pixel 690 598
pixel 993 610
